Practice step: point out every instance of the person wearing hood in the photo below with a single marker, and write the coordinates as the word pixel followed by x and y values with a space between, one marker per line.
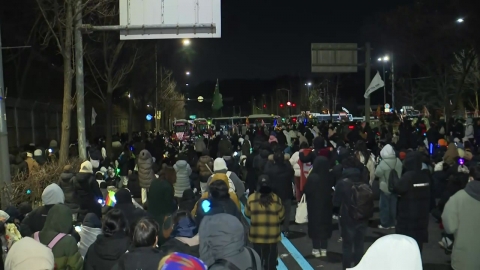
pixel 90 229
pixel 296 167
pixel 88 191
pixel 392 252
pixel 225 244
pixel 126 163
pixel 461 217
pixel 55 235
pixel 39 157
pixel 319 149
pixel 112 244
pixel 217 200
pixel 266 213
pixel 235 184
pixel 144 254
pixel 188 201
pixel 145 172
pixel 353 227
pixel 124 203
pixel 183 170
pixel 388 201
pixel 283 173
pixel 413 206
pixel 318 191
pixel 161 202
pixel 35 220
pixel 184 237
pixel 31 163
pixel 67 185
pixel 451 154
pixel 246 145
pixel 204 167
pixel 29 254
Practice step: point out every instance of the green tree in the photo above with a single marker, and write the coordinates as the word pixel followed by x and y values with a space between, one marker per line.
pixel 217 103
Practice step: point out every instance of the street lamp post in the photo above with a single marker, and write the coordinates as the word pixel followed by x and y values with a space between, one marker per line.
pixel 384 60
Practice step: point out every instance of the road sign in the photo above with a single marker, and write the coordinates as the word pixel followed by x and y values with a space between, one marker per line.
pixel 177 19
pixel 334 57
pixel 200 99
pixel 158 115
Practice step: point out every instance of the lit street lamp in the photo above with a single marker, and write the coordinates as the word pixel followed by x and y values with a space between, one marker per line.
pixel 186 84
pixel 460 20
pixel 186 42
pixel 384 60
pixel 308 84
pixel 188 73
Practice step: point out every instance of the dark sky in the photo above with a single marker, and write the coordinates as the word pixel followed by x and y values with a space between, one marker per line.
pixel 265 39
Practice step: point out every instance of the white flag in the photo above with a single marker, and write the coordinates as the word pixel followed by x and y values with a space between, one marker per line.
pixel 94 115
pixel 376 84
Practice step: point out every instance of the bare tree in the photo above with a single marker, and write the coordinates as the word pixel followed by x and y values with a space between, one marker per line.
pixel 110 60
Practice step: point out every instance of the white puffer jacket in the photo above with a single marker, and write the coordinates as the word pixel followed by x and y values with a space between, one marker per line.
pixel 294 162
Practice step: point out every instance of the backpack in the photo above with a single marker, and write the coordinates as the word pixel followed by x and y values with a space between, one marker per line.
pixel 52 243
pixel 230 182
pixel 393 178
pixel 230 266
pixel 361 201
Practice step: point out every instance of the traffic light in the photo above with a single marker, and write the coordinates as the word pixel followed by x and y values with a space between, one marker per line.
pixel 281 105
pixel 293 104
pixel 289 103
pixel 264 106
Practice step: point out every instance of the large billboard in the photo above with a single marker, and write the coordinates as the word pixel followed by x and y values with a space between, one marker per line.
pixel 170 19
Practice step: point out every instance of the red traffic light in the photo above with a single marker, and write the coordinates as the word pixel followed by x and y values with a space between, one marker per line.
pixel 264 106
pixel 281 105
pixel 294 119
pixel 289 103
pixel 293 104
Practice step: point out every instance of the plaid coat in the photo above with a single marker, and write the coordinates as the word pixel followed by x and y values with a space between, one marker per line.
pixel 265 221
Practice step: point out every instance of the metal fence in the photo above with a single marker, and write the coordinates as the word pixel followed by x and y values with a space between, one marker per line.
pixel 36 122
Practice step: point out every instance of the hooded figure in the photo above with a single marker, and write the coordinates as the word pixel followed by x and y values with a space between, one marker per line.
pixel 318 191
pixel 35 220
pixel 65 251
pixel 220 166
pixel 39 157
pixel 204 168
pixel 184 237
pixel 66 184
pixel 91 228
pixel 461 218
pixel 223 177
pixel 161 203
pixel 451 154
pixel 29 254
pixel 413 207
pixel 392 252
pixel 145 171
pixel 226 242
pixel 88 191
pixel 188 201
pixel 183 170
pixel 125 204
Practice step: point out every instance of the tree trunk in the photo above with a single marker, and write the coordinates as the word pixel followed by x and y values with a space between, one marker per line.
pixel 67 86
pixel 130 118
pixel 79 87
pixel 108 125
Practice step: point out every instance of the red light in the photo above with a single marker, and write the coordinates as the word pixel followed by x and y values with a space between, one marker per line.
pixel 351 127
pixel 293 104
pixel 264 106
pixel 281 105
pixel 294 119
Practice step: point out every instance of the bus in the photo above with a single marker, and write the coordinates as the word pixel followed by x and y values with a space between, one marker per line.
pixel 201 124
pixel 263 119
pixel 181 128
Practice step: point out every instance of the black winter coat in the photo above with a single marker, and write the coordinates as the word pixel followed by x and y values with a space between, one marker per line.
pixel 68 187
pixel 251 179
pixel 134 185
pixel 88 192
pixel 105 252
pixel 343 195
pixel 318 191
pixel 281 178
pixel 413 205
pixel 175 245
pixel 145 258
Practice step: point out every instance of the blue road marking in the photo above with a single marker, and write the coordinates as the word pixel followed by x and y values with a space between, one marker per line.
pixel 297 256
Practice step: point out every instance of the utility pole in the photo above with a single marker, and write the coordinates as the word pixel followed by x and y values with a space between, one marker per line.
pixel 5 177
pixel 367 80
pixel 80 85
pixel 393 86
pixel 157 121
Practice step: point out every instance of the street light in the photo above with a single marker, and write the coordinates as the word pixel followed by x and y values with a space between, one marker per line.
pixel 188 73
pixel 289 103
pixel 384 60
pixel 186 42
pixel 128 95
pixel 460 20
pixel 308 84
pixel 186 84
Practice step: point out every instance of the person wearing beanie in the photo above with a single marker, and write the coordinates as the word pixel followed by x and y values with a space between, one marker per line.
pixel 28 254
pixel 56 235
pixel 88 191
pixel 124 202
pixel 66 184
pixel 35 220
pixel 90 229
pixel 39 157
pixel 235 184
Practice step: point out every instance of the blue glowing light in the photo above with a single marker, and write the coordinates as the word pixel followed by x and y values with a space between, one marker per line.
pixel 206 206
pixel 149 117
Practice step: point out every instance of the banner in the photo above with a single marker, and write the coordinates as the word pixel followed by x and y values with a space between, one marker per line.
pixel 376 84
pixel 94 115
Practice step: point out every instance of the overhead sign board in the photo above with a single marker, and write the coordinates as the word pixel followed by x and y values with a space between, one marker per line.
pixel 178 19
pixel 334 57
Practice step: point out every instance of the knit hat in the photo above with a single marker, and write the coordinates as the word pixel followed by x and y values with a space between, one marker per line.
pixel 123 196
pixel 219 164
pixel 53 144
pixel 38 153
pixel 29 254
pixel 182 261
pixel 442 142
pixel 86 167
pixel 53 194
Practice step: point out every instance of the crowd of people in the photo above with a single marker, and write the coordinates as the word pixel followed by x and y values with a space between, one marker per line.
pixel 223 201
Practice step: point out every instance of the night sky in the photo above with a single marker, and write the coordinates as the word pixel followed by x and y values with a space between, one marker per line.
pixel 267 39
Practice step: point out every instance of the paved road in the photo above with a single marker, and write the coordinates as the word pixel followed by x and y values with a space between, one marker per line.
pixel 295 252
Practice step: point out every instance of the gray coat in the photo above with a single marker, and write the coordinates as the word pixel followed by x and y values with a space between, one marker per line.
pixel 389 162
pixel 183 177
pixel 145 171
